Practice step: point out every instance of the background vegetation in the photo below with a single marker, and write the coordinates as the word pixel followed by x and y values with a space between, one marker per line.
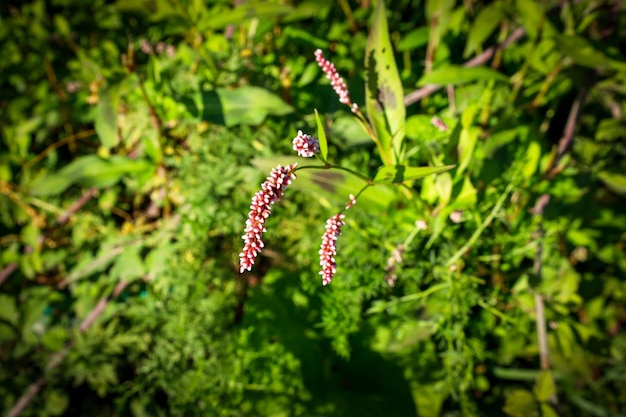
pixel 135 132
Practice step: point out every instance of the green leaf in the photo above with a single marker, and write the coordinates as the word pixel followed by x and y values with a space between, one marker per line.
pixel 544 387
pixel 465 148
pixel 129 264
pixel 532 15
pixel 441 12
pixel 54 338
pixel 244 13
pixel 487 20
pixel 532 156
pixel 443 185
pixel 547 410
pixel 90 171
pixel 347 128
pixel 155 9
pixel 8 309
pixel 467 196
pixel 30 235
pixel 243 106
pixel 400 173
pixel 582 52
pixel 56 402
pixel 321 136
pixel 106 117
pixel 384 96
pixel 453 75
pixel 610 130
pixel 615 182
pixel 153 145
pixel 414 39
pixel 521 403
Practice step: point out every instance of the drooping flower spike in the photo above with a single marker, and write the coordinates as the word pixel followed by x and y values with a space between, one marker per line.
pixel 336 81
pixel 260 209
pixel 306 145
pixel 328 249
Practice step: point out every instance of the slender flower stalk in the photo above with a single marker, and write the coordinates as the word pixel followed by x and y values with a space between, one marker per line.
pixel 260 209
pixel 328 249
pixel 306 145
pixel 336 81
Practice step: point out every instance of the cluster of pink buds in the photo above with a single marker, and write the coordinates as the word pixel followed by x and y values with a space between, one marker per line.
pixel 305 145
pixel 274 186
pixel 328 250
pixel 260 209
pixel 161 47
pixel 336 81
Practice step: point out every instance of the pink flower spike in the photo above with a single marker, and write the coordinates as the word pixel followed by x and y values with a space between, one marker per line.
pixel 328 250
pixel 306 145
pixel 260 209
pixel 336 81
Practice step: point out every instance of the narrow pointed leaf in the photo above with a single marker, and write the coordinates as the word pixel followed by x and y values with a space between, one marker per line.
pixel 105 122
pixel 321 136
pixel 401 173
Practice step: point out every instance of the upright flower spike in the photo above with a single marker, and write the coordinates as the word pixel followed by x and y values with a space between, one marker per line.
pixel 260 209
pixel 328 250
pixel 306 145
pixel 336 81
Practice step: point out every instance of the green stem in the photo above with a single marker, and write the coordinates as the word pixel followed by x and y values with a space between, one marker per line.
pixel 472 240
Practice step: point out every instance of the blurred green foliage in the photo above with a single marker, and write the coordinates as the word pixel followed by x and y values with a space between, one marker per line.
pixel 134 134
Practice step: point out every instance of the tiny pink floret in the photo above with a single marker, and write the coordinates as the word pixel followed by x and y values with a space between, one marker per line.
pixel 352 201
pixel 439 124
pixel 306 145
pixel 336 81
pixel 260 209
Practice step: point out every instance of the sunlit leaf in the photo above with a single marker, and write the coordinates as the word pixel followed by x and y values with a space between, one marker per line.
pixel 91 171
pixel 106 117
pixel 401 173
pixel 453 75
pixel 243 13
pixel 467 143
pixel 246 105
pixel 384 94
pixel 321 136
pixel 487 20
pixel 544 387
pixel 615 181
pixel 532 15
pixel 521 403
pixel 414 39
